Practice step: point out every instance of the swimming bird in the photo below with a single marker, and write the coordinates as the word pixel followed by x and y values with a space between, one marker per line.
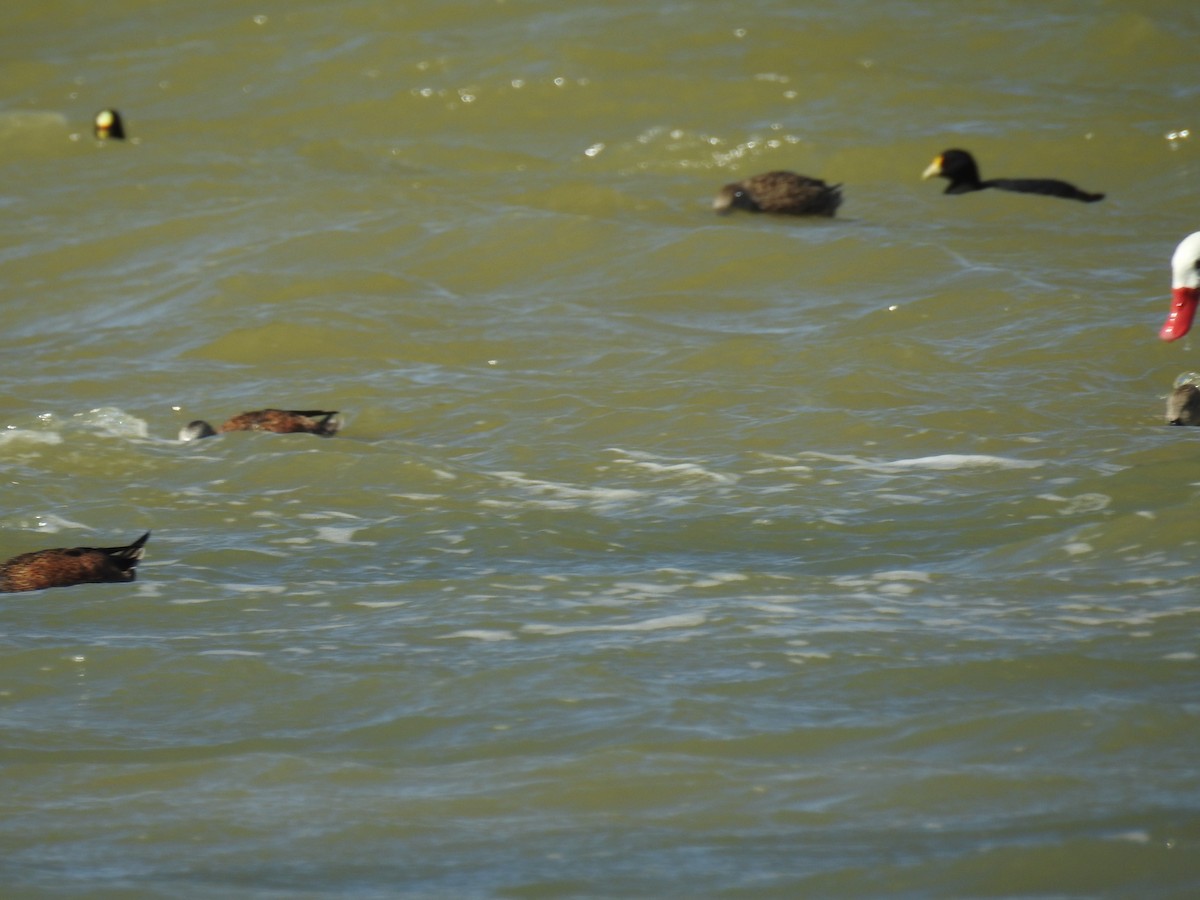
pixel 1183 403
pixel 1185 288
pixel 108 124
pixel 280 421
pixel 63 567
pixel 780 192
pixel 959 168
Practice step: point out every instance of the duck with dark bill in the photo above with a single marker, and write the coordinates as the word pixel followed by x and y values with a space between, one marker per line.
pixel 67 566
pixel 780 192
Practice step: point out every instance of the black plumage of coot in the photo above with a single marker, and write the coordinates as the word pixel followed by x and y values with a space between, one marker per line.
pixel 960 169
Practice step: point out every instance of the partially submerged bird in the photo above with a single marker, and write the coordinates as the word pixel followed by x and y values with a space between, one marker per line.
pixel 959 168
pixel 1185 288
pixel 280 421
pixel 1183 403
pixel 108 124
pixel 63 567
pixel 780 192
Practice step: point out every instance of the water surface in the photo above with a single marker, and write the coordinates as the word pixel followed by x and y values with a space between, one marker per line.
pixel 662 554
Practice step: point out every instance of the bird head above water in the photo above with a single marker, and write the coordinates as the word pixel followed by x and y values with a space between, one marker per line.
pixel 1185 288
pixel 108 124
pixel 956 166
pixel 1183 403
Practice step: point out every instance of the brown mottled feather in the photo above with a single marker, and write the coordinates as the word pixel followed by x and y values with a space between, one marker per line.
pixel 280 421
pixel 63 567
pixel 780 192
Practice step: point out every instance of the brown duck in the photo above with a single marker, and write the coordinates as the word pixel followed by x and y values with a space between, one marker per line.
pixel 280 421
pixel 780 192
pixel 63 567
pixel 1183 403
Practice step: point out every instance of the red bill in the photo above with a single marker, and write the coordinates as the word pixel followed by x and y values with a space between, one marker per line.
pixel 1184 301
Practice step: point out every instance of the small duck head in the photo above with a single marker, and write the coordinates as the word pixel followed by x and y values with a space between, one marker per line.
pixel 108 124
pixel 195 430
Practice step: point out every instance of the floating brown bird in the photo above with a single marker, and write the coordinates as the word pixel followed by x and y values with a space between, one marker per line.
pixel 63 567
pixel 1185 288
pixel 108 124
pixel 280 421
pixel 780 192
pixel 1183 403
pixel 959 168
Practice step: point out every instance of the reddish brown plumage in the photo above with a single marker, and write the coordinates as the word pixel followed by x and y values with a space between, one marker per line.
pixel 279 421
pixel 780 192
pixel 65 566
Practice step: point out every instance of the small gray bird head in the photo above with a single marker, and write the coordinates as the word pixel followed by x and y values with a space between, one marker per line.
pixel 1183 405
pixel 197 429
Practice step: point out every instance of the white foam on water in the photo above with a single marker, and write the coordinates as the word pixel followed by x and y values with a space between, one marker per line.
pixel 380 604
pixel 645 589
pixel 521 588
pixel 19 436
pixel 481 634
pixel 230 653
pixel 906 499
pixel 339 535
pixel 114 422
pixel 951 461
pixel 805 655
pixel 1082 503
pixel 903 575
pixel 648 462
pixel 716 578
pixel 556 495
pixel 52 524
pixel 777 608
pixel 683 620
pixel 1133 837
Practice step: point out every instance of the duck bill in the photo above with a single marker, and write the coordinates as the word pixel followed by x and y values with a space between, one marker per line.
pixel 1184 301
pixel 934 169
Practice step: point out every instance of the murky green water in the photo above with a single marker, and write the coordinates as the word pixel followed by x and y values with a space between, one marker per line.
pixel 662 554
